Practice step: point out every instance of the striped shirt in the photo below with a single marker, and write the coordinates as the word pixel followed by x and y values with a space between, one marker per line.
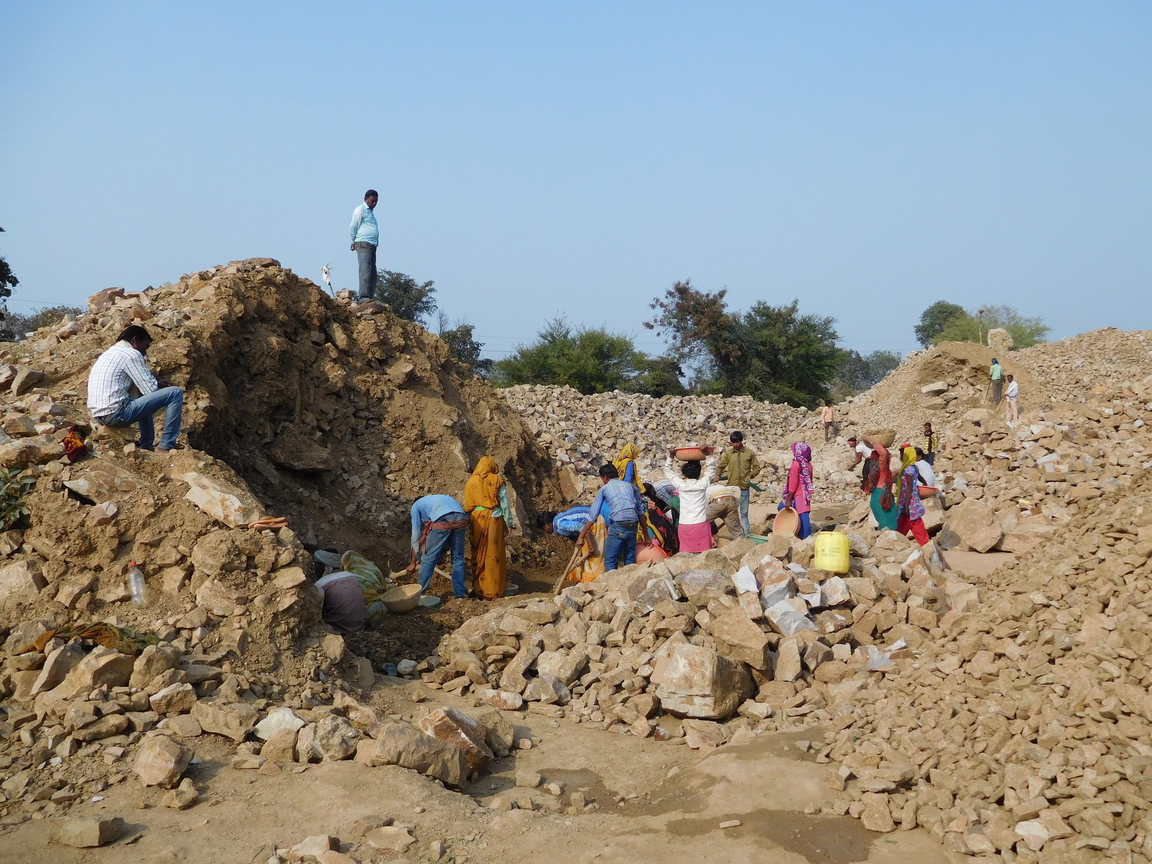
pixel 571 522
pixel 114 371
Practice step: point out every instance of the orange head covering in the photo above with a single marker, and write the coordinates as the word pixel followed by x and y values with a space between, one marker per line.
pixel 483 486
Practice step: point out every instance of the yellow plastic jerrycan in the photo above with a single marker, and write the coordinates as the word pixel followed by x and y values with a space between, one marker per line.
pixel 833 552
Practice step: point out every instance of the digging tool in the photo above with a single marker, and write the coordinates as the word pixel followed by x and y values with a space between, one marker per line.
pixel 448 576
pixel 573 563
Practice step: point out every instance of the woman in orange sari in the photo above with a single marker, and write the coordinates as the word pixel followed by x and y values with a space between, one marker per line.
pixel 486 503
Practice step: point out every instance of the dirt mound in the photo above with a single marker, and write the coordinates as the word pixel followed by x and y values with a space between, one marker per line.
pixel 336 420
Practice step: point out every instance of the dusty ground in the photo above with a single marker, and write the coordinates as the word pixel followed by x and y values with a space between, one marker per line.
pixel 654 802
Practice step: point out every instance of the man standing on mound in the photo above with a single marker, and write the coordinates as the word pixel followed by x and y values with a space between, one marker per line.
pixel 365 238
pixel 121 367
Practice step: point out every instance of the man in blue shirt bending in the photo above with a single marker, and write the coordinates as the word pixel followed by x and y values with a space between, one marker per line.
pixel 624 506
pixel 566 524
pixel 437 521
pixel 365 238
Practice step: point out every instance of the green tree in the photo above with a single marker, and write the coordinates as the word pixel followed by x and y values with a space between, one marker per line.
pixel 8 281
pixel 407 298
pixel 971 327
pixel 659 376
pixel 461 344
pixel 17 324
pixel 856 372
pixel 591 360
pixel 934 319
pixel 772 353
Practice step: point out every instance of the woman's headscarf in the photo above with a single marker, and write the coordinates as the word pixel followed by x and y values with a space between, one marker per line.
pixel 802 455
pixel 908 458
pixel 483 486
pixel 628 455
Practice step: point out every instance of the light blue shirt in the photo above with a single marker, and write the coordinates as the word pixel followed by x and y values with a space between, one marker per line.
pixel 622 499
pixel 364 228
pixel 432 508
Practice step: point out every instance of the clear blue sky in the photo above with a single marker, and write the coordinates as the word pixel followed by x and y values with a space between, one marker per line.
pixel 543 159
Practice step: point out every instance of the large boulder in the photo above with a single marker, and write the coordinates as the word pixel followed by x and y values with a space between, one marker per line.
pixel 397 742
pixel 160 761
pixel 738 638
pixel 973 525
pixel 460 730
pixel 697 682
pixel 222 501
pixel 234 720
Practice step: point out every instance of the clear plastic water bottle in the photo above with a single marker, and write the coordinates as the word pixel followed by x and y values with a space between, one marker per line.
pixel 136 586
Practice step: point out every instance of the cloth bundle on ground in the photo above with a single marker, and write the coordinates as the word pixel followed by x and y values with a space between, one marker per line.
pixel 122 639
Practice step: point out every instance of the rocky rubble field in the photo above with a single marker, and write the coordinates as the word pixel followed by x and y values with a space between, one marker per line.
pixel 583 432
pixel 1007 715
pixel 333 419
pixel 1028 737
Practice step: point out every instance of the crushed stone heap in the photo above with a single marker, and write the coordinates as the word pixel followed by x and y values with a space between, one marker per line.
pixel 583 432
pixel 676 648
pixel 1010 489
pixel 1022 730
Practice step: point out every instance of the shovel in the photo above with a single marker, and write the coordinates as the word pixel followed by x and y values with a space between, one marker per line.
pixel 573 563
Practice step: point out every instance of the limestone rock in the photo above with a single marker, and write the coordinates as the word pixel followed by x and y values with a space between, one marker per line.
pixel 697 682
pixel 183 796
pixel 277 719
pixel 20 578
pixel 153 660
pixel 224 503
pixel 400 743
pixel 87 832
pixel 460 730
pixel 233 720
pixel 174 699
pixel 974 524
pixel 160 761
pixel 280 746
pixel 103 667
pixel 738 638
pixel 336 738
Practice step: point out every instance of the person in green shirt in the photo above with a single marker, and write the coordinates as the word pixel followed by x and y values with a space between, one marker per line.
pixel 997 375
pixel 741 466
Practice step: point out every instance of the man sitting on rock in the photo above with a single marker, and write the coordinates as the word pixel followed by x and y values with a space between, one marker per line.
pixel 122 367
pixel 439 522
